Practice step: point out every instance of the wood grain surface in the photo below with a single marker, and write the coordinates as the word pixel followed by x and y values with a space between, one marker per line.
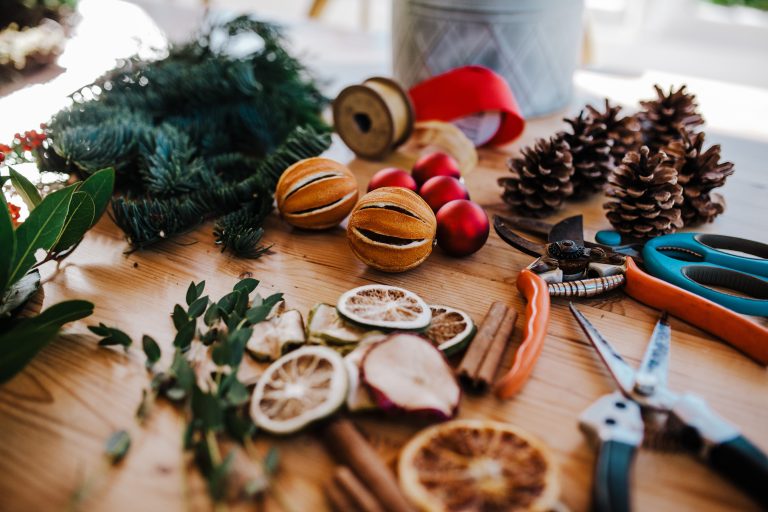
pixel 56 415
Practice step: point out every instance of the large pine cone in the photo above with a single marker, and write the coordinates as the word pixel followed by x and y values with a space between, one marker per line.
pixel 541 178
pixel 699 172
pixel 591 151
pixel 623 132
pixel 663 118
pixel 648 196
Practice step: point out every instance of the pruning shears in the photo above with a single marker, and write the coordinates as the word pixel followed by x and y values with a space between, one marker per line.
pixel 567 266
pixel 644 411
pixel 699 261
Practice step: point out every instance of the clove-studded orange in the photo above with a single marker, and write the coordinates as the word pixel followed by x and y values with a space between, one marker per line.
pixel 392 229
pixel 316 193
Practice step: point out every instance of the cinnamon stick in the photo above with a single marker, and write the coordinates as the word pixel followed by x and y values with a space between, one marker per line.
pixel 356 491
pixel 339 500
pixel 487 372
pixel 470 365
pixel 349 445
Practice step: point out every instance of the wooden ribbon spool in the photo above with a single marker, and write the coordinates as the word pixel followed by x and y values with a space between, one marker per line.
pixel 373 118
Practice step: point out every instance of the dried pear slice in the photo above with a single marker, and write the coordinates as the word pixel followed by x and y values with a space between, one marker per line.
pixel 301 387
pixel 450 329
pixel 324 325
pixel 478 465
pixel 406 372
pixel 384 307
pixel 274 337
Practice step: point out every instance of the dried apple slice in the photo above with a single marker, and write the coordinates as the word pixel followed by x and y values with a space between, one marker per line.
pixel 301 387
pixel 274 337
pixel 358 396
pixel 406 372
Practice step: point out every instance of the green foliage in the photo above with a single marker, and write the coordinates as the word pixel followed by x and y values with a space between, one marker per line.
pixel 117 446
pixel 198 134
pixel 111 336
pixel 56 224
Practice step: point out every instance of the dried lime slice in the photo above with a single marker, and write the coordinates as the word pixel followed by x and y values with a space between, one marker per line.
pixel 477 465
pixel 384 307
pixel 450 329
pixel 302 386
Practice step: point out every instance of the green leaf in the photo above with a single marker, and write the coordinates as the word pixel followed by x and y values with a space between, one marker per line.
pixel 7 242
pixel 184 336
pixel 194 291
pixel 237 394
pixel 28 192
pixel 117 446
pixel 99 187
pixel 39 231
pixel 258 314
pixel 151 349
pixel 271 461
pixel 99 330
pixel 179 317
pixel 20 292
pixel 207 409
pixel 184 377
pixel 227 303
pixel 197 308
pixel 20 343
pixel 217 480
pixel 212 315
pixel 246 285
pixel 79 220
pixel 112 336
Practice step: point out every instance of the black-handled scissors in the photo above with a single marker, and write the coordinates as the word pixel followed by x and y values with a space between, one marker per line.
pixel 618 424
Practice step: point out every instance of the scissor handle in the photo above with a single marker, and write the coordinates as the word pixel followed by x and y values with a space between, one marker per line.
pixel 705 264
pixel 534 288
pixel 739 331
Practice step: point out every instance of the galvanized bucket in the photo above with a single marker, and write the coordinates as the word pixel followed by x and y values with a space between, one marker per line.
pixel 534 44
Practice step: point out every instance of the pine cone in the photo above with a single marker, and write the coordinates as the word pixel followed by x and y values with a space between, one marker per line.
pixel 591 152
pixel 663 118
pixel 648 197
pixel 699 172
pixel 623 131
pixel 541 178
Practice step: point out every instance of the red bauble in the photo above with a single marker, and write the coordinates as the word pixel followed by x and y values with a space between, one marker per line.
pixel 462 227
pixel 440 190
pixel 392 177
pixel 435 164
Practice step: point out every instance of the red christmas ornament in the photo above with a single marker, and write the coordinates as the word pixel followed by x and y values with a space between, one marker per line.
pixel 435 164
pixel 462 227
pixel 392 177
pixel 442 189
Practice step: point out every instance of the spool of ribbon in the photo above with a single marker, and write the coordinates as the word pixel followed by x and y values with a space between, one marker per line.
pixel 474 98
pixel 373 118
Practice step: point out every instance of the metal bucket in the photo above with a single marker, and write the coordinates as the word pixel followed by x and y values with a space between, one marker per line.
pixel 534 44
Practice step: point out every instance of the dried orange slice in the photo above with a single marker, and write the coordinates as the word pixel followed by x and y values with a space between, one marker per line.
pixel 302 386
pixel 479 466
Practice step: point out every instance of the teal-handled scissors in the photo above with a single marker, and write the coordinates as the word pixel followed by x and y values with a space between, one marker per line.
pixel 701 263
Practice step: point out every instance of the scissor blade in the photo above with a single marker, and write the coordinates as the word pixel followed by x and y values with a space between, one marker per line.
pixel 571 228
pixel 504 230
pixel 529 225
pixel 652 374
pixel 621 372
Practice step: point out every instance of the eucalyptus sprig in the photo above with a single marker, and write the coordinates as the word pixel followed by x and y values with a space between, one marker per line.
pixel 202 381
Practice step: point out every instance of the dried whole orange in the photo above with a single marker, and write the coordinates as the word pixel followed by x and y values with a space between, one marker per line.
pixel 478 465
pixel 316 193
pixel 392 229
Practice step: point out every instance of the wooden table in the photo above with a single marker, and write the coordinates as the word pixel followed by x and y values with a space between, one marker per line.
pixel 56 415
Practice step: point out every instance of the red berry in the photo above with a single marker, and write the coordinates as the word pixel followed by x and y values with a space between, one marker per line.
pixel 442 189
pixel 392 177
pixel 462 227
pixel 435 164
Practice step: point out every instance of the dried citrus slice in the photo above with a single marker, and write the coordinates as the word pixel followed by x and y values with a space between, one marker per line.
pixel 478 465
pixel 302 386
pixel 450 329
pixel 384 307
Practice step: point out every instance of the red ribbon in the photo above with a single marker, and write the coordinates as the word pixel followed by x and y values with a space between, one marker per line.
pixel 465 91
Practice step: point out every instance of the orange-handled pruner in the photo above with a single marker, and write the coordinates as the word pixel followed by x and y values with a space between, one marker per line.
pixel 567 266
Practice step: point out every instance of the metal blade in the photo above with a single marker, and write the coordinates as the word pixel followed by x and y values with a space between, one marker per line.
pixel 503 228
pixel 529 225
pixel 652 374
pixel 571 228
pixel 622 373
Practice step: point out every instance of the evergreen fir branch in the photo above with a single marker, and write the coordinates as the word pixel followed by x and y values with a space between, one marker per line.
pixel 241 231
pixel 147 221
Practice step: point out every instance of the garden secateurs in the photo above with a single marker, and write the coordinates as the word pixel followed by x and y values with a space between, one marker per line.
pixel 567 266
pixel 645 411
